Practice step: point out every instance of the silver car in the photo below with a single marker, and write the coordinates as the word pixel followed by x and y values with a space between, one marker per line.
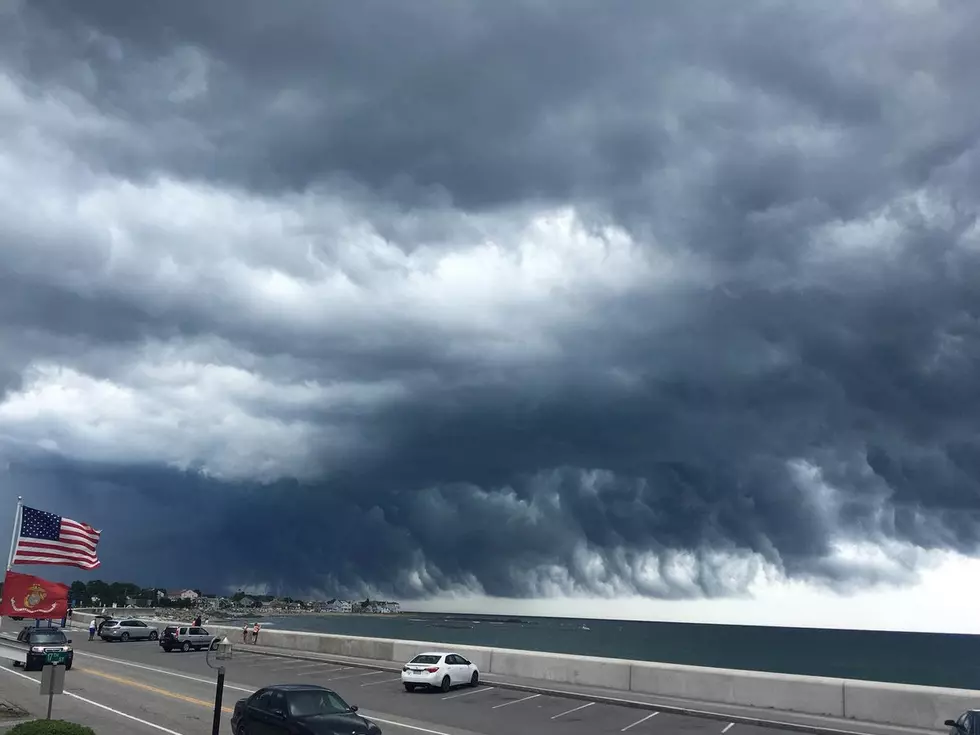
pixel 128 630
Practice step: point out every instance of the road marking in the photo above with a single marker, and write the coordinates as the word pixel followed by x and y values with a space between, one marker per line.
pixel 303 666
pixel 727 727
pixel 154 690
pixel 574 709
pixel 355 676
pixel 471 691
pixel 384 721
pixel 383 681
pixel 164 671
pixel 102 706
pixel 324 671
pixel 515 701
pixel 393 723
pixel 641 720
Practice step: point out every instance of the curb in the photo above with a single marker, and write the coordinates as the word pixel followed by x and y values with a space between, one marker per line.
pixel 601 699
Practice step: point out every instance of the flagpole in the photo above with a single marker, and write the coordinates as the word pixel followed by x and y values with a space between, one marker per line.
pixel 14 535
pixel 16 531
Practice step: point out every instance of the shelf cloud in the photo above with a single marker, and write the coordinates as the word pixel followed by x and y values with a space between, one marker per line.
pixel 521 299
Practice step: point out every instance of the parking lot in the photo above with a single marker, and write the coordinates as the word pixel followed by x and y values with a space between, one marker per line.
pixel 486 710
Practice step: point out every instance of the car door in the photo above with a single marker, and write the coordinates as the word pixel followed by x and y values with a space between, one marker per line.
pixel 140 630
pixel 455 673
pixel 262 714
pixel 465 669
pixel 962 725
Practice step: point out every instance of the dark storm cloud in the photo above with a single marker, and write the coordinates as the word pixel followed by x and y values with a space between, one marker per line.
pixel 674 419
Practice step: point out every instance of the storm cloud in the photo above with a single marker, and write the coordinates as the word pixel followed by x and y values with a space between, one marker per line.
pixel 515 298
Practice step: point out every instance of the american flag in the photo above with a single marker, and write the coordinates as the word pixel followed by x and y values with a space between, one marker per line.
pixel 46 538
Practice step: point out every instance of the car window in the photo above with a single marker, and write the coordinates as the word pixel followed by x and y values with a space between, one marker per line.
pixel 203 631
pixel 463 661
pixel 313 702
pixel 182 631
pixel 425 659
pixel 139 624
pixel 263 701
pixel 48 636
pixel 452 660
pixel 197 631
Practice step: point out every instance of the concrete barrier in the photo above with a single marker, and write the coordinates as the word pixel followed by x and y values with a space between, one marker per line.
pixel 609 673
pixel 879 702
pixel 815 695
pixel 902 704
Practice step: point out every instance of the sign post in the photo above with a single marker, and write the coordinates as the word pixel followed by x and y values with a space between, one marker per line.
pixel 52 682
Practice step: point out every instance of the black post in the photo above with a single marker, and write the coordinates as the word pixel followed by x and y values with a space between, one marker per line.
pixel 217 701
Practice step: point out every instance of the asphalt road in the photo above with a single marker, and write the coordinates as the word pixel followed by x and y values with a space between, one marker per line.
pixel 126 688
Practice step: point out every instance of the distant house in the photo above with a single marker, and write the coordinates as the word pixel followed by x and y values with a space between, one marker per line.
pixel 246 602
pixel 182 594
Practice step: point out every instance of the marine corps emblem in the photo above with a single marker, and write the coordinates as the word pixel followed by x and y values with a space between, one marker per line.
pixel 35 596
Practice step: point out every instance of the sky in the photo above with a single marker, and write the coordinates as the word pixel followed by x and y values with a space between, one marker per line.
pixel 635 309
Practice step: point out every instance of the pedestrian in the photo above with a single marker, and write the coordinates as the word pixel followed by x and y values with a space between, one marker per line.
pixel 255 633
pixel 197 622
pixel 245 633
pixel 91 630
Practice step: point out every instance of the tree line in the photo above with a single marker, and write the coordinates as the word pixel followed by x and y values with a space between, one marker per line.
pixel 101 593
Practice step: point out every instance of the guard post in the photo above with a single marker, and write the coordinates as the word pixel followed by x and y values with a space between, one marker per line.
pixel 52 682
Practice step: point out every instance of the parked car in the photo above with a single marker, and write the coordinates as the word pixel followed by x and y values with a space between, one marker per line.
pixel 299 709
pixel 439 670
pixel 129 629
pixel 186 637
pixel 46 646
pixel 967 723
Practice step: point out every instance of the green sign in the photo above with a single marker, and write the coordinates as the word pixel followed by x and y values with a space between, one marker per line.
pixel 55 657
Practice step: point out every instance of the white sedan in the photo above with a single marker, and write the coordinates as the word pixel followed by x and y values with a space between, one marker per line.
pixel 439 670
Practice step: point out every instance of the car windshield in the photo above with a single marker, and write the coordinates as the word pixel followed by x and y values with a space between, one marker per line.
pixel 313 702
pixel 425 659
pixel 46 636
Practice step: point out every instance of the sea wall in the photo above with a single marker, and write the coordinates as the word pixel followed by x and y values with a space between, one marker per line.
pixel 896 704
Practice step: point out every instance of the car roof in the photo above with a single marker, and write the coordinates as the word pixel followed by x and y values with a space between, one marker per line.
pixel 297 688
pixel 432 653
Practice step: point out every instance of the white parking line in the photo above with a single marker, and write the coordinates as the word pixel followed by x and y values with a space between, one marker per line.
pixel 641 720
pixel 728 727
pixel 324 671
pixel 93 703
pixel 515 701
pixel 471 691
pixel 354 676
pixel 383 681
pixel 210 682
pixel 574 709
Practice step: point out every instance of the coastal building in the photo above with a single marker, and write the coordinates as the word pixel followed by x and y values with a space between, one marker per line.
pixel 182 594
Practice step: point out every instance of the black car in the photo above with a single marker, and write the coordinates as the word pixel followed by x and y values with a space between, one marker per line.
pixel 967 723
pixel 46 646
pixel 298 709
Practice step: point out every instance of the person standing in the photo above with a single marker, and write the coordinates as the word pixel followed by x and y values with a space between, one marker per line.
pixel 245 633
pixel 255 633
pixel 91 630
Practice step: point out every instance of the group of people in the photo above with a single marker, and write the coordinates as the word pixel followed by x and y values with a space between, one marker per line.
pixel 255 633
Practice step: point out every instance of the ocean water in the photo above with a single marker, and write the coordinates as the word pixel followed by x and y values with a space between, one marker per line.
pixel 933 659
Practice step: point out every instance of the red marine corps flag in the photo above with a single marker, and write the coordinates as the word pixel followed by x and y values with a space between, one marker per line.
pixel 26 596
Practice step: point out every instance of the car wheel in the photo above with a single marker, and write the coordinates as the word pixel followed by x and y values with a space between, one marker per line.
pixel 214 645
pixel 68 666
pixel 153 635
pixel 475 679
pixel 186 647
pixel 446 684
pixel 124 637
pixel 241 730
pixel 409 687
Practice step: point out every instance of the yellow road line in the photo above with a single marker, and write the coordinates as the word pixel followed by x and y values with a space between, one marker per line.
pixel 155 690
